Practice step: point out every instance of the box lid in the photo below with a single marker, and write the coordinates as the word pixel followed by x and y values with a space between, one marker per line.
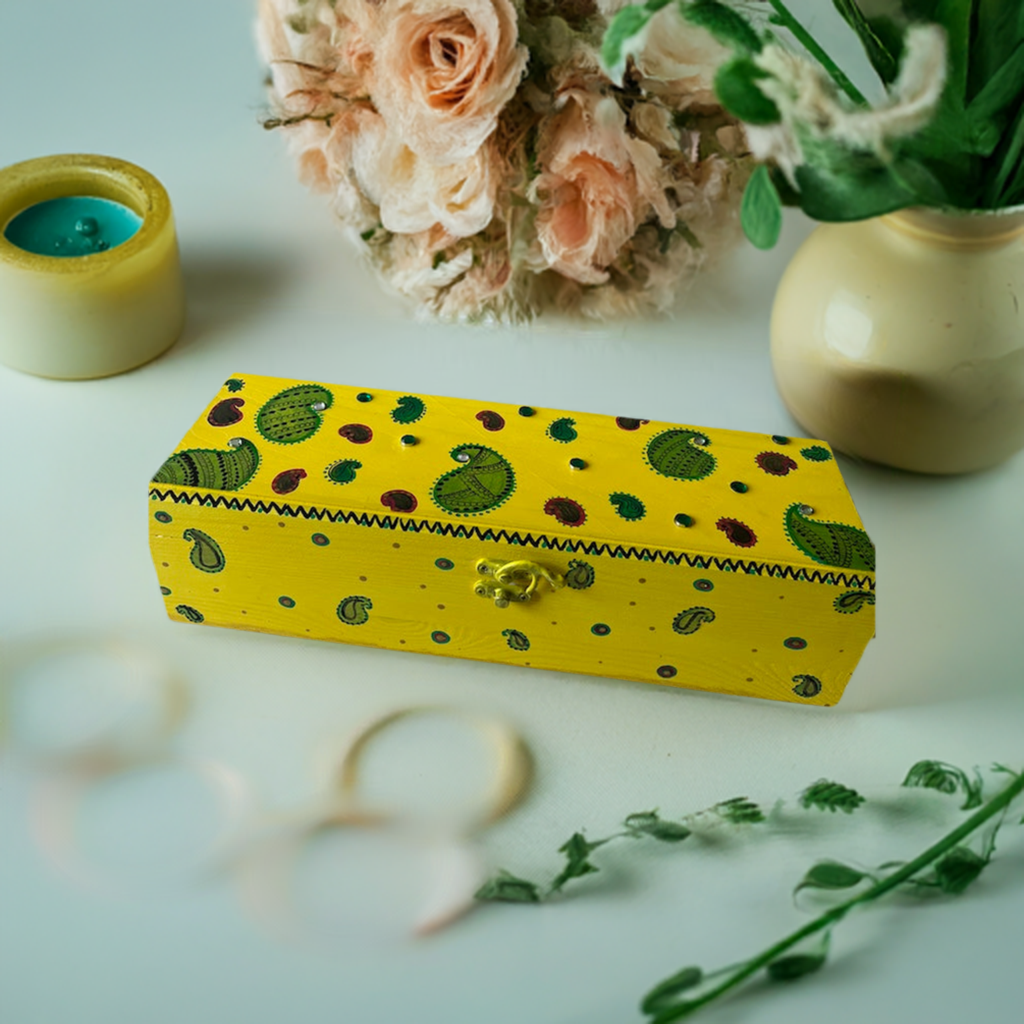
pixel 545 477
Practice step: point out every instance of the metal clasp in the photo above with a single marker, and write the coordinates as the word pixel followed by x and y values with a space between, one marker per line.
pixel 517 581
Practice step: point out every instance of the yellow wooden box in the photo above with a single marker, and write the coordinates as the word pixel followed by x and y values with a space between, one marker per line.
pixel 619 547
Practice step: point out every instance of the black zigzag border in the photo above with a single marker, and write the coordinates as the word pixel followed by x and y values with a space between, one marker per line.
pixel 464 531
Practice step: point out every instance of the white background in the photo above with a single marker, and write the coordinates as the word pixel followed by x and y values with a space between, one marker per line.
pixel 274 290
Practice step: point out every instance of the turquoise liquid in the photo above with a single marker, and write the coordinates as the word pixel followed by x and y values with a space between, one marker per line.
pixel 72 226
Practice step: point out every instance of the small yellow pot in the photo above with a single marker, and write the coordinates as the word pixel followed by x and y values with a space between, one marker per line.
pixel 901 339
pixel 95 315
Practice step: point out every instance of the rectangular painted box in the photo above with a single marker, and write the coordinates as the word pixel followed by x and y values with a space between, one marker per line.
pixel 709 559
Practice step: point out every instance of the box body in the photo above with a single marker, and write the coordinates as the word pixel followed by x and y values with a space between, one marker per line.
pixel 620 547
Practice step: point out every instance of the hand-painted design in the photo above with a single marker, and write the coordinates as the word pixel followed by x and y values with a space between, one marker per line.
pixel 816 453
pixel 703 585
pixel 794 643
pixel 186 611
pixel 738 533
pixel 166 591
pixel 212 468
pixel 690 620
pixel 806 686
pixel 206 554
pixel 580 575
pixel 354 610
pixel 566 511
pixel 321 540
pixel 226 412
pixel 680 454
pixel 837 544
pixel 775 463
pixel 667 671
pixel 516 640
pixel 852 601
pixel 287 480
pixel 163 517
pixel 445 564
pixel 628 423
pixel 600 629
pixel 409 409
pixel 286 602
pixel 628 506
pixel 482 483
pixel 563 430
pixel 357 433
pixel 293 415
pixel 490 419
pixel 234 384
pixel 439 636
pixel 343 471
pixel 399 501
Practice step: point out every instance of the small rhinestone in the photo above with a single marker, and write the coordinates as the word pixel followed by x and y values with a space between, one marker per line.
pixel 739 487
pixel 364 396
pixel 318 406
pixel 682 519
pixel 779 439
pixel 235 442
pixel 806 510
pixel 525 410
pixel 700 440
pixel 462 457
pixel 408 440
pixel 577 464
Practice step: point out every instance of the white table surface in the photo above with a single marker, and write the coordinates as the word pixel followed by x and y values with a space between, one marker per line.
pixel 273 289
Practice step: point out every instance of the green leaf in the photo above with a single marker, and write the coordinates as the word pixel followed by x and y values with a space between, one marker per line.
pixel 739 811
pixel 1001 90
pixel 958 869
pixel 998 30
pixel 663 995
pixel 946 778
pixel 621 35
pixel 1009 174
pixel 737 91
pixel 831 796
pixel 577 850
pixel 830 874
pixel 789 968
pixel 832 196
pixel 883 59
pixel 728 26
pixel 648 823
pixel 761 210
pixel 506 888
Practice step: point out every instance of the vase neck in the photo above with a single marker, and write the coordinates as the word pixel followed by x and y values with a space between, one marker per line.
pixel 980 229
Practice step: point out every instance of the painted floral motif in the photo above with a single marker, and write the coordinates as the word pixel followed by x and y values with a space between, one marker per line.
pixel 580 575
pixel 483 482
pixel 775 463
pixel 516 640
pixel 234 384
pixel 852 601
pixel 680 454
pixel 186 611
pixel 806 686
pixel 287 480
pixel 343 471
pixel 566 511
pixel 628 506
pixel 212 468
pixel 409 409
pixel 357 433
pixel 816 453
pixel 354 610
pixel 835 544
pixel 206 554
pixel 563 430
pixel 490 419
pixel 399 501
pixel 738 533
pixel 690 620
pixel 293 415
pixel 226 412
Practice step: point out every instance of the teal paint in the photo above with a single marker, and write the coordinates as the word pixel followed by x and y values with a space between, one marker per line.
pixel 72 226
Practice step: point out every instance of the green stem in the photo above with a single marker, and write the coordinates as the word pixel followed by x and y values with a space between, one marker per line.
pixel 785 18
pixel 948 842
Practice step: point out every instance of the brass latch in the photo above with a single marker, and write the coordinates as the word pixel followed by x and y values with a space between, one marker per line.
pixel 506 582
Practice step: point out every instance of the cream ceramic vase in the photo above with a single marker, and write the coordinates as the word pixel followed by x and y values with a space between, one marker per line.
pixel 901 339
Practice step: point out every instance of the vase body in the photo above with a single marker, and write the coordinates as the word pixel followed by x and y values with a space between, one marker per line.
pixel 901 339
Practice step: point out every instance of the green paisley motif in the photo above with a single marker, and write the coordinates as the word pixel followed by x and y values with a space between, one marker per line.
pixel 816 453
pixel 806 686
pixel 212 468
pixel 234 385
pixel 342 472
pixel 680 454
pixel 354 610
pixel 628 506
pixel 690 620
pixel 835 544
pixel 516 640
pixel 409 410
pixel 293 415
pixel 206 554
pixel 580 575
pixel 481 483
pixel 852 601
pixel 563 430
pixel 188 612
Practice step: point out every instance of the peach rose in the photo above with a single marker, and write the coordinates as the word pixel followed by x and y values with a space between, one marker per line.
pixel 443 71
pixel 597 185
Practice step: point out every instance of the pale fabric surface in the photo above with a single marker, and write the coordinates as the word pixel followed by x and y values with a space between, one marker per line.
pixel 273 290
